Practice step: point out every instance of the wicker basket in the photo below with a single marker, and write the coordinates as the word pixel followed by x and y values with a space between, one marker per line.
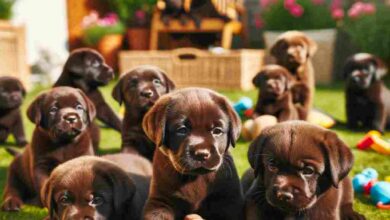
pixel 232 70
pixel 13 57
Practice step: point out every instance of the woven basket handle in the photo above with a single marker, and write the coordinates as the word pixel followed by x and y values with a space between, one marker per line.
pixel 187 54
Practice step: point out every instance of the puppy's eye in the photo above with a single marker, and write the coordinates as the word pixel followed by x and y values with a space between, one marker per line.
pixel 217 131
pixel 308 171
pixel 272 166
pixel 79 107
pixel 53 110
pixel 133 82
pixel 97 200
pixel 182 130
pixel 64 200
pixel 157 82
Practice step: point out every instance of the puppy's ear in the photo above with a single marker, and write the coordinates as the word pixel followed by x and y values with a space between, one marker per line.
pixel 154 121
pixel 259 78
pixel 380 68
pixel 34 111
pixel 234 120
pixel 312 46
pixel 21 87
pixel 255 155
pixel 91 109
pixel 117 91
pixel 48 199
pixel 278 48
pixel 347 69
pixel 338 156
pixel 170 85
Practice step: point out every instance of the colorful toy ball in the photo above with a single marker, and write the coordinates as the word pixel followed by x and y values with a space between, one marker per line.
pixel 243 104
pixel 363 178
pixel 380 194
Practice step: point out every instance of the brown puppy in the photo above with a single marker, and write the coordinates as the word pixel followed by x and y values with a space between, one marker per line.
pixel 301 173
pixel 94 188
pixel 85 69
pixel 275 97
pixel 139 89
pixel 294 50
pixel 367 98
pixel 193 171
pixel 12 93
pixel 62 116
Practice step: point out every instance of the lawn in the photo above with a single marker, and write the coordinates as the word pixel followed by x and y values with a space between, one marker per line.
pixel 328 99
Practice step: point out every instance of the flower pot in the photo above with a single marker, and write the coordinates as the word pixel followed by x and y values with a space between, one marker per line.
pixel 323 59
pixel 109 47
pixel 138 38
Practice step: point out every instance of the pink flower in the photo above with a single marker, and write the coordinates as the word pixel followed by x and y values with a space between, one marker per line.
pixel 336 4
pixel 360 8
pixel 266 3
pixel 338 13
pixel 259 23
pixel 369 8
pixel 89 20
pixel 296 10
pixel 288 4
pixel 140 15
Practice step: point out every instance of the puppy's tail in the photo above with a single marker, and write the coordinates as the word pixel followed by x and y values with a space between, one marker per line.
pixel 12 151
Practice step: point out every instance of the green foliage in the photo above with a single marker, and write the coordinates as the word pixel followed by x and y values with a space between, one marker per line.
pixel 6 8
pixel 126 9
pixel 277 18
pixel 92 35
pixel 371 33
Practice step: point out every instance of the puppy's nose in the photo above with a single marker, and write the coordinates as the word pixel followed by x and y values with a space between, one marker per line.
pixel 284 196
pixel 201 154
pixel 87 218
pixel 71 119
pixel 147 93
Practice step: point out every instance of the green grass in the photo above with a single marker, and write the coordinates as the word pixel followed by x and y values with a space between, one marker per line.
pixel 328 99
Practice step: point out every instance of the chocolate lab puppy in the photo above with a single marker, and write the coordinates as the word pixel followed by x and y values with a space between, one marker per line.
pixel 94 188
pixel 193 171
pixel 294 50
pixel 139 89
pixel 300 173
pixel 367 98
pixel 275 96
pixel 62 116
pixel 85 69
pixel 12 93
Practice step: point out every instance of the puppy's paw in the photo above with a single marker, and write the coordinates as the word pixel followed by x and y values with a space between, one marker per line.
pixel 352 215
pixel 12 204
pixel 193 217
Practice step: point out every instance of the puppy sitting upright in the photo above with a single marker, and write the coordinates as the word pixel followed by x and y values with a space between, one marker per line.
pixel 193 171
pixel 62 117
pixel 85 69
pixel 300 173
pixel 367 98
pixel 12 93
pixel 294 50
pixel 93 188
pixel 275 96
pixel 139 89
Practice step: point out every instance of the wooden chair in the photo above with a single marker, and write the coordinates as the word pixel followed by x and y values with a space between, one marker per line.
pixel 208 25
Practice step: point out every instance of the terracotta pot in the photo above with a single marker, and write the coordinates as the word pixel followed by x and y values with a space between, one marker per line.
pixel 323 59
pixel 109 47
pixel 138 38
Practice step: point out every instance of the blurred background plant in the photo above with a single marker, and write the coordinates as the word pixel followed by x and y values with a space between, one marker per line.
pixel 133 13
pixel 368 24
pixel 280 15
pixel 6 9
pixel 95 28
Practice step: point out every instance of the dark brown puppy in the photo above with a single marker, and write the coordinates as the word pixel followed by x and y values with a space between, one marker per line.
pixel 294 50
pixel 367 98
pixel 85 69
pixel 62 116
pixel 301 173
pixel 94 188
pixel 12 93
pixel 193 171
pixel 275 96
pixel 139 89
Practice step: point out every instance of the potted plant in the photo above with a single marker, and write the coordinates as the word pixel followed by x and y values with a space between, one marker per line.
pixel 6 9
pixel 136 14
pixel 316 18
pixel 368 25
pixel 105 34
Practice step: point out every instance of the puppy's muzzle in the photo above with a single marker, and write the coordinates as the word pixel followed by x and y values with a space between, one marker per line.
pixel 200 155
pixel 147 93
pixel 71 118
pixel 284 194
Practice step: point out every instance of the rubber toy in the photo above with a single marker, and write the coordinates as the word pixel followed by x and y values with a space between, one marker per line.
pixel 243 105
pixel 373 139
pixel 253 127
